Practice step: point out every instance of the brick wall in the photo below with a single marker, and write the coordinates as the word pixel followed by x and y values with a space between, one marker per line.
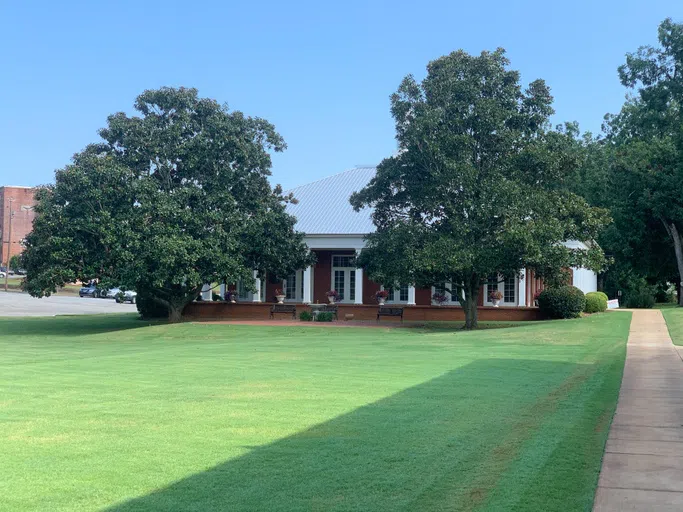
pixel 22 222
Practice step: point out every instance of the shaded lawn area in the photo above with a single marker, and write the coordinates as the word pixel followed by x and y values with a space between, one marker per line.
pixel 110 413
pixel 674 322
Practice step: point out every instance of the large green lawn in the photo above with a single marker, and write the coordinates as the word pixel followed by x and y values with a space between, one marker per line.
pixel 674 322
pixel 110 413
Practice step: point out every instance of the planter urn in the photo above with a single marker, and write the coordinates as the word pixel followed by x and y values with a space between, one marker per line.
pixel 280 299
pixel 381 300
pixel 495 302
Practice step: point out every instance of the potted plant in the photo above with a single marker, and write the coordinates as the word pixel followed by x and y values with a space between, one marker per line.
pixel 332 296
pixel 440 298
pixel 231 296
pixel 280 296
pixel 495 297
pixel 381 296
pixel 536 295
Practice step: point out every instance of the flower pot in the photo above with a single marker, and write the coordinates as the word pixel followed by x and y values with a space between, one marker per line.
pixel 233 301
pixel 331 299
pixel 280 298
pixel 381 300
pixel 495 302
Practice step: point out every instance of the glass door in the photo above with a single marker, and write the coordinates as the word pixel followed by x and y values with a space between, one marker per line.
pixel 344 278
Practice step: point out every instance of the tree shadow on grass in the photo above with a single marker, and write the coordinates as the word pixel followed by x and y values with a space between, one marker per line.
pixel 63 325
pixel 441 445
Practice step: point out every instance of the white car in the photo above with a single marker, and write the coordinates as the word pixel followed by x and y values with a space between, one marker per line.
pixel 127 296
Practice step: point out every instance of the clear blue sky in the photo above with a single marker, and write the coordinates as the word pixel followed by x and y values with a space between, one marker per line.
pixel 322 72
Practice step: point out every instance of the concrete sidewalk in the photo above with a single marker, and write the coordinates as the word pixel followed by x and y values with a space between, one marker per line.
pixel 642 468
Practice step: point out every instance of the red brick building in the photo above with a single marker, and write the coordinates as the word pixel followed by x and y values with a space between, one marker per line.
pixel 16 207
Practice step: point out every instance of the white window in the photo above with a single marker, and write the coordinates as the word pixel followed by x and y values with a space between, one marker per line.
pixel 506 286
pixel 344 277
pixel 398 294
pixel 293 286
pixel 443 288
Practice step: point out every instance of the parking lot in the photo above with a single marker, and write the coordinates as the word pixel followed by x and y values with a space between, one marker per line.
pixel 22 304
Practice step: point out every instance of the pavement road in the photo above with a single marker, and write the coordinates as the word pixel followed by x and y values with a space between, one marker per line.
pixel 22 304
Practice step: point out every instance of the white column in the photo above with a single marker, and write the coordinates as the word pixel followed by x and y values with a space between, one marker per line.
pixel 308 285
pixel 206 292
pixel 256 297
pixel 521 289
pixel 359 283
pixel 221 290
pixel 411 296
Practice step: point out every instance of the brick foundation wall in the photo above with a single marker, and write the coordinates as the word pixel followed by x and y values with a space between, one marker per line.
pixel 261 311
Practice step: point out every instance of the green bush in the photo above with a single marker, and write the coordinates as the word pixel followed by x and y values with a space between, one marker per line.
pixel 562 302
pixel 595 302
pixel 305 316
pixel 603 295
pixel 324 316
pixel 642 298
pixel 215 297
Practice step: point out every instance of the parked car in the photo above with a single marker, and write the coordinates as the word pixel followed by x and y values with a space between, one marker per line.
pixel 89 290
pixel 127 296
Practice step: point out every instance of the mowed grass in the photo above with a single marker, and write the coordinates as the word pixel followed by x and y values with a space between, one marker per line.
pixel 109 413
pixel 674 322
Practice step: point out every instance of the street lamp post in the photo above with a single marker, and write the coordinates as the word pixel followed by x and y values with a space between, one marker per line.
pixel 9 243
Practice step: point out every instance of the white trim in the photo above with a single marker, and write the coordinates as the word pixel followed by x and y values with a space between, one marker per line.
pixel 411 296
pixel 521 288
pixel 308 285
pixel 338 242
pixel 256 296
pixel 358 293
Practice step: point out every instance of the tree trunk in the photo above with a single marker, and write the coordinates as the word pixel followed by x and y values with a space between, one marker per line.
pixel 471 290
pixel 672 230
pixel 175 314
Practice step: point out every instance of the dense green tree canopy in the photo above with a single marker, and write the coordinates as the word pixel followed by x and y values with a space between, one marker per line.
pixel 169 200
pixel 645 144
pixel 476 188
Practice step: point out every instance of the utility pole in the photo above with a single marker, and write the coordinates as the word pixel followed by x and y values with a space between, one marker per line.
pixel 9 243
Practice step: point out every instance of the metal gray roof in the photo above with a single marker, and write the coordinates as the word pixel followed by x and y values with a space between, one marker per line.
pixel 324 207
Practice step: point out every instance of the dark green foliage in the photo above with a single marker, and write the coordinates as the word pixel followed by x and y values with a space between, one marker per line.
pixel 149 308
pixel 562 302
pixel 305 316
pixel 324 316
pixel 15 263
pixel 478 186
pixel 641 298
pixel 665 293
pixel 596 302
pixel 216 297
pixel 172 198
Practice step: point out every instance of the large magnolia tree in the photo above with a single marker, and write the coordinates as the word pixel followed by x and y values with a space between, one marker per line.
pixel 173 198
pixel 477 186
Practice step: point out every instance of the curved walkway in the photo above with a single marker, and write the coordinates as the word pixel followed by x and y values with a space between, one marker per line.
pixel 642 468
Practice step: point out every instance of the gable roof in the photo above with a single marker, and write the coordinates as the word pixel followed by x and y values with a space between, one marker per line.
pixel 324 208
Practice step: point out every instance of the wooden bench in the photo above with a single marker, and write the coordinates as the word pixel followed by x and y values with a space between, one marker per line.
pixel 385 311
pixel 331 308
pixel 283 308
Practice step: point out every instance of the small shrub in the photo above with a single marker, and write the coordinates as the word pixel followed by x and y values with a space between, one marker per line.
pixel 216 297
pixel 595 302
pixel 562 302
pixel 642 298
pixel 603 295
pixel 305 316
pixel 324 316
